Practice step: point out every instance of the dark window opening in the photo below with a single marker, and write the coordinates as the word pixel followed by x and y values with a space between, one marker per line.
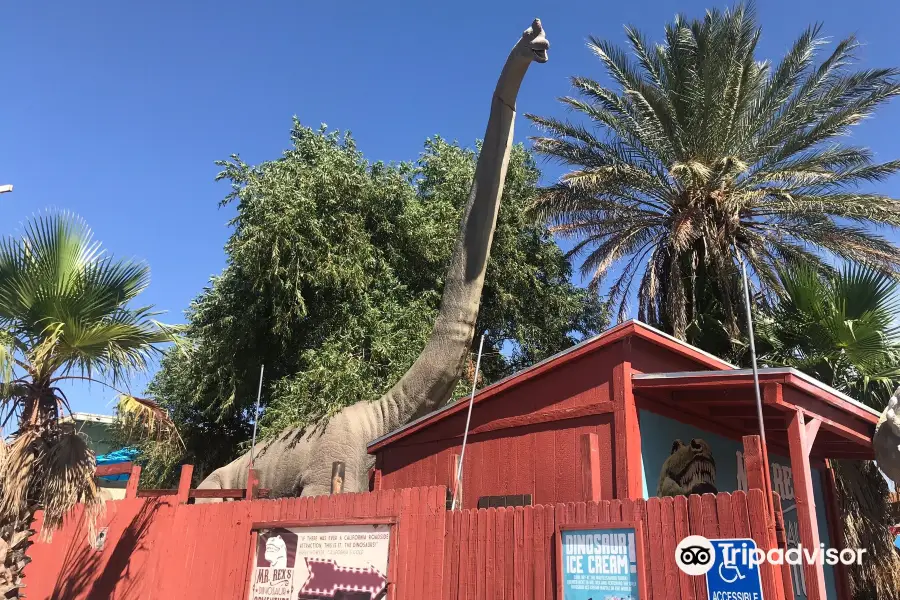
pixel 509 500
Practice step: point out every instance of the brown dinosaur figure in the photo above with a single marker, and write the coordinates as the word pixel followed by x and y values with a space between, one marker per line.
pixel 689 469
pixel 298 462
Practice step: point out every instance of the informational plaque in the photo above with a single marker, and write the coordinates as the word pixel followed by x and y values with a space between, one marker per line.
pixel 601 562
pixel 340 562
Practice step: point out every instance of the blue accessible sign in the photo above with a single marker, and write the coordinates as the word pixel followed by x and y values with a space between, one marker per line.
pixel 734 575
pixel 600 563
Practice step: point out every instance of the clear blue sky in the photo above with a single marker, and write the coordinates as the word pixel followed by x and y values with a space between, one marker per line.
pixel 117 110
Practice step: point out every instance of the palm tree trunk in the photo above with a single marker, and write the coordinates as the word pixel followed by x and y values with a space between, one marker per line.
pixel 863 497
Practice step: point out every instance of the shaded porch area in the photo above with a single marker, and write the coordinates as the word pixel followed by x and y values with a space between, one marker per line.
pixel 806 422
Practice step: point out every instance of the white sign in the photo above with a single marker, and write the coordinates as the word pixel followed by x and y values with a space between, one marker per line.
pixel 335 562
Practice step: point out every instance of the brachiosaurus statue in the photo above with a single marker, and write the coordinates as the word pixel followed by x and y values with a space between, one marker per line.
pixel 298 462
pixel 887 439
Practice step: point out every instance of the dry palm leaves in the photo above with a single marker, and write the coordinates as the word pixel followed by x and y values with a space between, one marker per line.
pixel 52 469
pixel 863 497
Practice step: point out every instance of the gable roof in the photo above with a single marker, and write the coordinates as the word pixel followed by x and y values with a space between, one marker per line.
pixel 632 327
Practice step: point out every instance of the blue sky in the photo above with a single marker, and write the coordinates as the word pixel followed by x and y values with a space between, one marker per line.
pixel 117 110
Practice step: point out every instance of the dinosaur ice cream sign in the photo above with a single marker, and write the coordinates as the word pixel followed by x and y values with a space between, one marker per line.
pixel 329 562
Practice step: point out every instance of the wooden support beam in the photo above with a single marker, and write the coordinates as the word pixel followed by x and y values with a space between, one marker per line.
pixel 629 472
pixel 452 470
pixel 338 469
pixel 753 463
pixel 184 484
pixel 812 429
pixel 134 480
pixel 114 469
pixel 806 503
pixel 252 484
pixel 589 446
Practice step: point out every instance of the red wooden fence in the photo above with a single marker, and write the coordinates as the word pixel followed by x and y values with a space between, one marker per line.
pixel 161 548
pixel 505 553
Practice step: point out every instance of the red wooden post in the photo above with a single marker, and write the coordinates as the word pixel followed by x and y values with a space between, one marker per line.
pixel 629 473
pixel 454 469
pixel 755 466
pixel 377 484
pixel 134 479
pixel 835 530
pixel 787 577
pixel 801 436
pixel 252 484
pixel 184 484
pixel 753 463
pixel 590 467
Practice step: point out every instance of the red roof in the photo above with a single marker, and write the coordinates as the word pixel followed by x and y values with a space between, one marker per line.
pixel 848 422
pixel 610 336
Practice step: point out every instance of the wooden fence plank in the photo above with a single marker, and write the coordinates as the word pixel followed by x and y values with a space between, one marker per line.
pixel 535 522
pixel 656 573
pixel 490 567
pixel 669 542
pixel 549 542
pixel 520 588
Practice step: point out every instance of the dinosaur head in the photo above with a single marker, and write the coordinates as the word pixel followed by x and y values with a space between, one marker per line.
pixel 690 469
pixel 276 552
pixel 534 44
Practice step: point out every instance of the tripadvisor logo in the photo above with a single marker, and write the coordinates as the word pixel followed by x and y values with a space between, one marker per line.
pixel 696 555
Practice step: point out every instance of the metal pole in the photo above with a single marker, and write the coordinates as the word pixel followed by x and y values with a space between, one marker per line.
pixel 759 409
pixel 462 452
pixel 256 415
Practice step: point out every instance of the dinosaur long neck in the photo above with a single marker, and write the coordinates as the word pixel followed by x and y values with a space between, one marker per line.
pixel 432 378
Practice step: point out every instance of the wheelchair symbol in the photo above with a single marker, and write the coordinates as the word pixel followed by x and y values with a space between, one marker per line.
pixel 737 573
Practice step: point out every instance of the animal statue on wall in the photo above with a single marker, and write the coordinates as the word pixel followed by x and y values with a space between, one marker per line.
pixel 298 462
pixel 689 469
pixel 886 440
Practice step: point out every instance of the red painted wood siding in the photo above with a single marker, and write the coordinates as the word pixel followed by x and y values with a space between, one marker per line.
pixel 525 457
pixel 541 459
pixel 522 458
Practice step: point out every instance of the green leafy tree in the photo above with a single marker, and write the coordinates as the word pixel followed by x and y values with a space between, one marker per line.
pixel 65 315
pixel 704 152
pixel 334 274
pixel 840 328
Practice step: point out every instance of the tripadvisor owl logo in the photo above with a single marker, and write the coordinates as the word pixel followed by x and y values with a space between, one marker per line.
pixel 695 555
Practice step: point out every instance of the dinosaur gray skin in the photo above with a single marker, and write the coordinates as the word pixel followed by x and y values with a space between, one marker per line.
pixel 298 462
pixel 886 440
pixel 690 469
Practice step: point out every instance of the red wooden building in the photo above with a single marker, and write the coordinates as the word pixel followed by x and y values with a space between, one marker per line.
pixel 597 421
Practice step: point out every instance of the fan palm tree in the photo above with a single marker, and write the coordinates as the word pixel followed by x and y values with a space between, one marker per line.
pixel 839 328
pixel 64 316
pixel 705 153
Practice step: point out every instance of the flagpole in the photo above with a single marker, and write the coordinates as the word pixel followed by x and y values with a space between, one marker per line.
pixel 759 406
pixel 462 452
pixel 256 415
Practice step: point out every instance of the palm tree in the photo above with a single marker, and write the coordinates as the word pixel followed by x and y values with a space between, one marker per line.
pixel 64 316
pixel 839 328
pixel 706 152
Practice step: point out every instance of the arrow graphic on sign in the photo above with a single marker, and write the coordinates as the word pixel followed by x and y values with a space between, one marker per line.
pixel 326 578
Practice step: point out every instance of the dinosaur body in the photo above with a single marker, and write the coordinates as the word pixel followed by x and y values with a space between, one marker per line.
pixel 689 469
pixel 299 462
pixel 886 440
